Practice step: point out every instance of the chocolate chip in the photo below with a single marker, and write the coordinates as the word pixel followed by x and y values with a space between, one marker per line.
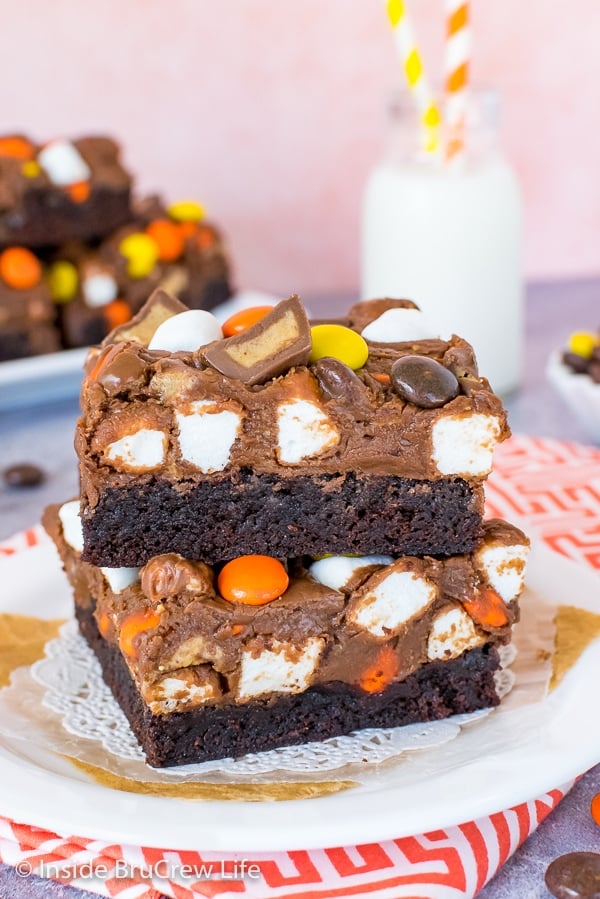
pixel 423 381
pixel 338 382
pixel 23 475
pixel 575 875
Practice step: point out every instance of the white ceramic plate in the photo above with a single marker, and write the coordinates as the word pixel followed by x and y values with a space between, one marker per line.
pixel 508 757
pixel 40 379
pixel 56 376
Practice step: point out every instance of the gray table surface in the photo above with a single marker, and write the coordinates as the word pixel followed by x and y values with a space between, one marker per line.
pixel 43 435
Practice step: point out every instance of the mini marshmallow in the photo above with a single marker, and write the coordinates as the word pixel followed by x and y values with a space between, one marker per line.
pixel 180 692
pixel 397 599
pixel 399 325
pixel 63 163
pixel 451 634
pixel 120 578
pixel 206 437
pixel 172 692
pixel 464 445
pixel 98 290
pixel 303 431
pixel 337 571
pixel 71 525
pixel 504 568
pixel 142 451
pixel 188 330
pixel 273 672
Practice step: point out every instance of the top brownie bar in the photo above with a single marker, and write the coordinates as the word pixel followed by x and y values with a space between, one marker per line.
pixel 356 436
pixel 61 190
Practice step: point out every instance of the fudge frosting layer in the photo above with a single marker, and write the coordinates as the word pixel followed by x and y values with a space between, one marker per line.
pixel 366 622
pixel 176 416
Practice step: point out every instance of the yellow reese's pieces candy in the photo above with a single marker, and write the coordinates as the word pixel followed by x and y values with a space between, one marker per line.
pixel 339 342
pixel 141 253
pixel 582 343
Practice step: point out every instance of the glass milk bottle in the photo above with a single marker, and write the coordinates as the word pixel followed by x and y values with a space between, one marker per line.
pixel 447 234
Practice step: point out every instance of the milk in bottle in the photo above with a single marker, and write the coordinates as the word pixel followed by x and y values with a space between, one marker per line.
pixel 447 234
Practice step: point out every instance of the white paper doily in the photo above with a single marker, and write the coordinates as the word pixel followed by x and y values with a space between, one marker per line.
pixel 75 690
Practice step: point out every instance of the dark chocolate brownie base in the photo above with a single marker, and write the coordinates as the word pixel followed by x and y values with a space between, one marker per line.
pixel 436 691
pixel 244 514
pixel 49 217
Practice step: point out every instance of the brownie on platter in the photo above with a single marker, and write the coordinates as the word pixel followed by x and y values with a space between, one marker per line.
pixel 27 315
pixel 99 287
pixel 189 255
pixel 64 189
pixel 217 661
pixel 368 437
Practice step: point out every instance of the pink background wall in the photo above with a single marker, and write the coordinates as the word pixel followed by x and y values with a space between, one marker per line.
pixel 270 111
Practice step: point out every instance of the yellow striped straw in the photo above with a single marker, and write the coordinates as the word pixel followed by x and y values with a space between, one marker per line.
pixel 429 113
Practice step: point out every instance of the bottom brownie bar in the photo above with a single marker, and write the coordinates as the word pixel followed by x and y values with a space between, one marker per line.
pixel 259 652
pixel 436 691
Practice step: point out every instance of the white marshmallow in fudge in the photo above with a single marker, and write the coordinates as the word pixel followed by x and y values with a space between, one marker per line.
pixel 451 634
pixel 72 529
pixel 464 444
pixel 337 571
pixel 120 578
pixel 503 562
pixel 207 435
pixel 282 669
pixel 391 599
pixel 141 451
pixel 304 431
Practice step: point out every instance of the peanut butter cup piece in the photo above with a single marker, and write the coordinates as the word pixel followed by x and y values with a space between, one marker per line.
pixel 269 348
pixel 159 306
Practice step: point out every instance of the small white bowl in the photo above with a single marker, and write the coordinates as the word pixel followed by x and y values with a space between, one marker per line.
pixel 579 392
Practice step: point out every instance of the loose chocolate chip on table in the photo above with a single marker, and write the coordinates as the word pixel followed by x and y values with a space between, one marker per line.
pixel 575 875
pixel 24 475
pixel 423 381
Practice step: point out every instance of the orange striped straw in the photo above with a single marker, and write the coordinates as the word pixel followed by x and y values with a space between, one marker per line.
pixel 457 62
pixel 414 72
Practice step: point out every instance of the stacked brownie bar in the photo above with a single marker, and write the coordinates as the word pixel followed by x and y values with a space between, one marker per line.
pixel 280 534
pixel 79 255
